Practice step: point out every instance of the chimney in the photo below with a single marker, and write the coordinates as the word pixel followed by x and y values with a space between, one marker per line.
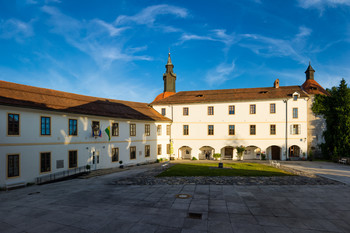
pixel 276 84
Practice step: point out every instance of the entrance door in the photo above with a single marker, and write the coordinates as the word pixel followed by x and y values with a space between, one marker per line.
pixel 95 160
pixel 275 153
pixel 228 152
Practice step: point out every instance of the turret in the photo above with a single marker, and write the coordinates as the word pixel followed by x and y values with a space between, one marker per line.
pixel 169 77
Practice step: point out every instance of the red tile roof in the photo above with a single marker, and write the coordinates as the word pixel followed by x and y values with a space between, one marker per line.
pixel 40 98
pixel 312 87
pixel 227 95
pixel 164 95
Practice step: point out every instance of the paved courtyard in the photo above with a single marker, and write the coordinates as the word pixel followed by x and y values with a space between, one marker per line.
pixel 98 205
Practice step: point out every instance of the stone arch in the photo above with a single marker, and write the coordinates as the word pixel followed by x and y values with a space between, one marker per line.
pixel 294 152
pixel 274 152
pixel 227 152
pixel 185 152
pixel 252 152
pixel 207 152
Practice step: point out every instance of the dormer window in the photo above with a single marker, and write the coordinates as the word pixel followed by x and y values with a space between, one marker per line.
pixel 296 95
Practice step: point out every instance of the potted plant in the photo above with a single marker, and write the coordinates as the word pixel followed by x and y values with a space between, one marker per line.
pixel 88 167
pixel 240 150
pixel 121 164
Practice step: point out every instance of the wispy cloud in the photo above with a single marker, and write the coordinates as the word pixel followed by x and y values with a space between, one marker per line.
pixel 217 35
pixel 220 74
pixel 148 15
pixel 95 37
pixel 322 4
pixel 17 29
pixel 274 47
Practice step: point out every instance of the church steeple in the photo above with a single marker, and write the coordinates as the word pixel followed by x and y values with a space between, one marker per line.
pixel 169 77
pixel 310 72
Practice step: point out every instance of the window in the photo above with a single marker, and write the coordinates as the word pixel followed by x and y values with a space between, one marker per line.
pixel 147 129
pixel 231 110
pixel 12 165
pixel 295 129
pixel 147 150
pixel 185 130
pixel 272 108
pixel 45 162
pixel 115 154
pixel 73 127
pixel 115 129
pixel 252 109
pixel 73 158
pixel 168 149
pixel 45 126
pixel 185 111
pixel 159 130
pixel 295 112
pixel 168 130
pixel 210 110
pixel 95 128
pixel 132 129
pixel 210 129
pixel 273 129
pixel 159 149
pixel 231 130
pixel 132 152
pixel 163 111
pixel 295 97
pixel 252 129
pixel 13 124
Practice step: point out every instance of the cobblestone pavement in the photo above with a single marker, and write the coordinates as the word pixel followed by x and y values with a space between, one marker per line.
pixel 98 205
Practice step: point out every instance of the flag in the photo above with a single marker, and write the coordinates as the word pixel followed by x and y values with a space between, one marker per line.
pixel 108 132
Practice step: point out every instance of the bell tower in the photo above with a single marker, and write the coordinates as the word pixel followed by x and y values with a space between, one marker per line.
pixel 169 77
pixel 310 72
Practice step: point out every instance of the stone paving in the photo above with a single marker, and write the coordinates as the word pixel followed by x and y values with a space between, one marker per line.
pixel 98 205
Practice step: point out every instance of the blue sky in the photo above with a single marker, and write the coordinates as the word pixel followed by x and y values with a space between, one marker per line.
pixel 118 49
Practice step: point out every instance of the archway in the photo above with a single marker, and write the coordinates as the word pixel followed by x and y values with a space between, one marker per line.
pixel 274 152
pixel 185 152
pixel 294 151
pixel 227 152
pixel 252 152
pixel 207 152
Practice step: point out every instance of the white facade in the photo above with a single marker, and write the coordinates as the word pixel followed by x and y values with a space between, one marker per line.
pixel 198 142
pixel 30 143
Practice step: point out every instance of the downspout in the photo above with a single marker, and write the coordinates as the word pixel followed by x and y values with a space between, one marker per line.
pixel 286 101
pixel 171 131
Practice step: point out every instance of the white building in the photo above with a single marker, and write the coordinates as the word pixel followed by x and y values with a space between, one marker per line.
pixel 44 132
pixel 276 121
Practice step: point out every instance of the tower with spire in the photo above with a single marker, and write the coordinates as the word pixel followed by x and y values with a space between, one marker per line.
pixel 169 77
pixel 310 72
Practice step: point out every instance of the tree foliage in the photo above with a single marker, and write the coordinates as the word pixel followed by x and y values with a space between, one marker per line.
pixel 335 109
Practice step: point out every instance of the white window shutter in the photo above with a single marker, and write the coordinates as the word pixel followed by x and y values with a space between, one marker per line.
pixel 291 129
pixel 299 126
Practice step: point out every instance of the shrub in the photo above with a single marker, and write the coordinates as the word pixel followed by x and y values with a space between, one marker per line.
pixel 194 158
pixel 217 156
pixel 263 156
pixel 240 150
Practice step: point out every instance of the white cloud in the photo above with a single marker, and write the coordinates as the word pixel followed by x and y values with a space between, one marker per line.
pixel 273 47
pixel 148 15
pixel 217 35
pixel 95 38
pixel 322 4
pixel 14 28
pixel 220 74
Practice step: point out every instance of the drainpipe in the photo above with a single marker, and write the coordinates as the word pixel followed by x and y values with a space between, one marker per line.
pixel 286 101
pixel 171 131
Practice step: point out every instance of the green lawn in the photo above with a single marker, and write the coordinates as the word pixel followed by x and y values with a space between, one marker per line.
pixel 238 169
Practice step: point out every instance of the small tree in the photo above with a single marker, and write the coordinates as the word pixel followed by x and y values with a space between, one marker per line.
pixel 240 150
